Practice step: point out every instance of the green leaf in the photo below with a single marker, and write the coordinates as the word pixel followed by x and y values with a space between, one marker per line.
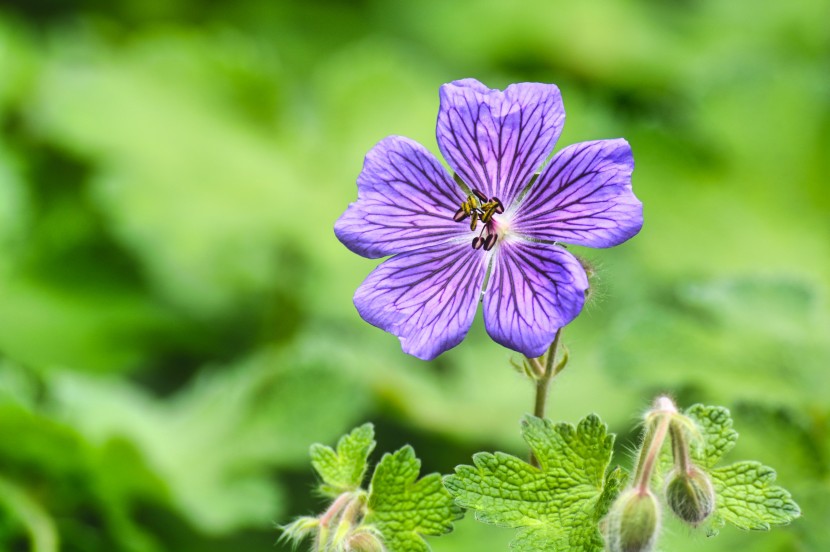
pixel 746 498
pixel 744 493
pixel 404 508
pixel 556 506
pixel 716 432
pixel 343 471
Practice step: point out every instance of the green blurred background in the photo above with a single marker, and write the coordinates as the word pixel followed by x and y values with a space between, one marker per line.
pixel 176 324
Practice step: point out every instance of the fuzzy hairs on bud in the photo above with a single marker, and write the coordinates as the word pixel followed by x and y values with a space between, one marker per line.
pixel 633 522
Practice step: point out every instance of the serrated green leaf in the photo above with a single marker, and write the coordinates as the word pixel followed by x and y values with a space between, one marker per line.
pixel 744 494
pixel 343 471
pixel 556 506
pixel 746 498
pixel 404 508
pixel 716 432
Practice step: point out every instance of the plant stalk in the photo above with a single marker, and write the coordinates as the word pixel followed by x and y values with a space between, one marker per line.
pixel 543 383
pixel 680 450
pixel 656 433
pixel 328 517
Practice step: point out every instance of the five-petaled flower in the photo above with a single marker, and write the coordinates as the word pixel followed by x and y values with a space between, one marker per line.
pixel 492 232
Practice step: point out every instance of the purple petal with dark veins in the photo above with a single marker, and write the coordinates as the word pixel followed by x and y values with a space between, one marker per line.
pixel 405 201
pixel 496 140
pixel 534 290
pixel 583 197
pixel 427 298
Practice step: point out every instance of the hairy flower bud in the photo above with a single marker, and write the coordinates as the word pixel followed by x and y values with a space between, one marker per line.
pixel 364 541
pixel 690 496
pixel 634 522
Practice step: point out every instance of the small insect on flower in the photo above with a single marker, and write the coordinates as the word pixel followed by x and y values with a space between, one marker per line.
pixel 409 207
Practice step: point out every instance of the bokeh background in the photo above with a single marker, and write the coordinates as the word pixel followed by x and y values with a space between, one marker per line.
pixel 176 323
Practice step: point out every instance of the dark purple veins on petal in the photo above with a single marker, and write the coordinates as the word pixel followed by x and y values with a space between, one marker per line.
pixel 534 290
pixel 427 297
pixel 410 207
pixel 496 140
pixel 583 197
pixel 406 201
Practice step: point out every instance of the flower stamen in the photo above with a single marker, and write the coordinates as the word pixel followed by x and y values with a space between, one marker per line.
pixel 479 208
pixel 474 217
pixel 490 241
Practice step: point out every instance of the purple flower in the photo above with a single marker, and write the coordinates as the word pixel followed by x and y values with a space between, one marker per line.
pixel 492 233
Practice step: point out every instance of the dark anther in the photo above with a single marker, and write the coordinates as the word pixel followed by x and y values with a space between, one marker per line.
pixel 489 242
pixel 478 242
pixel 480 196
pixel 499 206
pixel 459 215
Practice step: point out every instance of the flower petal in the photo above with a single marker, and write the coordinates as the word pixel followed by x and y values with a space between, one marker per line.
pixel 496 140
pixel 405 201
pixel 534 290
pixel 583 197
pixel 427 297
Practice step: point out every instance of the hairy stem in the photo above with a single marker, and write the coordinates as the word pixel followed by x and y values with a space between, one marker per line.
pixel 328 517
pixel 648 457
pixel 657 429
pixel 680 450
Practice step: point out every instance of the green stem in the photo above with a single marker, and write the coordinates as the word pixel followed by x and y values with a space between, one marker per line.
pixel 680 449
pixel 542 387
pixel 549 360
pixel 543 383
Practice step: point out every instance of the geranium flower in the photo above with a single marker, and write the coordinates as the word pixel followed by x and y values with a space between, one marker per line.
pixel 492 231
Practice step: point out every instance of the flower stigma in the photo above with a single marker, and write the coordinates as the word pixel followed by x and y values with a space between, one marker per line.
pixel 480 209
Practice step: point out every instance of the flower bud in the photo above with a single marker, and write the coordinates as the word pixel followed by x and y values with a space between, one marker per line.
pixel 634 522
pixel 364 541
pixel 690 496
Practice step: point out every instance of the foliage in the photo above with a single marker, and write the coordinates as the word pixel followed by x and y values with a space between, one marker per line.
pixel 403 507
pixel 745 496
pixel 558 504
pixel 342 471
pixel 561 503
pixel 175 314
pixel 396 513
